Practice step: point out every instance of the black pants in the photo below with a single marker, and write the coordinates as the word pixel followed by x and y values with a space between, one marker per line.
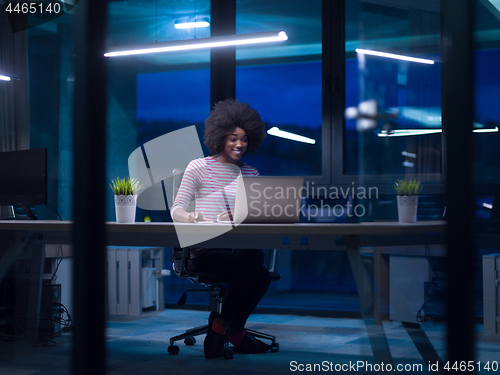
pixel 249 280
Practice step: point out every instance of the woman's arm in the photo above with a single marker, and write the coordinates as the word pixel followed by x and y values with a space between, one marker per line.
pixel 190 180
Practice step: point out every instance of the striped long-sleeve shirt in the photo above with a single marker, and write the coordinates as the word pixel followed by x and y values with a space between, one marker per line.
pixel 206 179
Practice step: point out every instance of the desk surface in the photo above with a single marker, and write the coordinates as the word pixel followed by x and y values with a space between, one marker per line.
pixel 368 228
pixel 317 236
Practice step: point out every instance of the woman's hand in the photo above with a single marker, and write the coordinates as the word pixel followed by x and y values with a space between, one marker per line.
pixel 225 216
pixel 195 216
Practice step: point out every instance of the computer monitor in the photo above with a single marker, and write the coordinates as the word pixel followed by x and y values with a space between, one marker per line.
pixel 23 179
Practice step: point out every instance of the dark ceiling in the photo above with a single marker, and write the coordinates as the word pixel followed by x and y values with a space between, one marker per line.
pixel 386 23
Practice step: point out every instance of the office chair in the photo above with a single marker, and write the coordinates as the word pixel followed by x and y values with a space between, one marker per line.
pixel 218 286
pixel 215 283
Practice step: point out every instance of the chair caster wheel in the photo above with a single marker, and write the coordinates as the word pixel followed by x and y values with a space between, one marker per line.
pixel 173 349
pixel 275 347
pixel 228 353
pixel 189 341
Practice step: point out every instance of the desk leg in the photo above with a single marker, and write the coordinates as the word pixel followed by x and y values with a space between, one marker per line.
pixel 381 286
pixel 376 333
pixel 159 256
pixel 35 294
pixel 361 276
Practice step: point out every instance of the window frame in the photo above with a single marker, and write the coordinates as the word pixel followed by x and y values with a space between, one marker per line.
pixel 334 42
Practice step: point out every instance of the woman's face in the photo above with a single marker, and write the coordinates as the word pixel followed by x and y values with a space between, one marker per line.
pixel 235 146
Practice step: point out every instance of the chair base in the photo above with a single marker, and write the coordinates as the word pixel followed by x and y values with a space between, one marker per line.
pixel 189 338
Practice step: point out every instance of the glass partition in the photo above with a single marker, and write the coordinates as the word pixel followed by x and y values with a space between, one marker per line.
pixel 392 131
pixel 154 94
pixel 487 182
pixel 37 113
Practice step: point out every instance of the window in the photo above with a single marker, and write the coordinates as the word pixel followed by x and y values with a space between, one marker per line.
pixel 167 101
pixel 409 143
pixel 290 100
pixel 288 95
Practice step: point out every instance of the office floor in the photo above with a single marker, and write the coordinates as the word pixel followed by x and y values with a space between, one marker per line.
pixel 138 345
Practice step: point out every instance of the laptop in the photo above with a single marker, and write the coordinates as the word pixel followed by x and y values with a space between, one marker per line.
pixel 268 199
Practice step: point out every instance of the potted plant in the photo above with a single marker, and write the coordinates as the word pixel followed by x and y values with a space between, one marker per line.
pixel 407 191
pixel 125 191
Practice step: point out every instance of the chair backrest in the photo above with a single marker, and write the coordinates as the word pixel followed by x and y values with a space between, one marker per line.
pixel 177 175
pixel 180 262
pixel 176 183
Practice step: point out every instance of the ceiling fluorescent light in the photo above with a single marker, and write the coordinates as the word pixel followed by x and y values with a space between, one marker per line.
pixel 494 130
pixel 409 154
pixel 294 137
pixel 212 42
pixel 407 132
pixel 191 25
pixel 394 56
pixel 8 77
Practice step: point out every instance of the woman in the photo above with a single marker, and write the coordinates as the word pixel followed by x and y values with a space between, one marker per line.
pixel 231 129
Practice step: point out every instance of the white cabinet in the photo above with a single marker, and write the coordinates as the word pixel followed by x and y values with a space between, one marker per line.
pixel 133 282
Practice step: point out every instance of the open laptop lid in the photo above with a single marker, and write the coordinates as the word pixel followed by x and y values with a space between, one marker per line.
pixel 268 199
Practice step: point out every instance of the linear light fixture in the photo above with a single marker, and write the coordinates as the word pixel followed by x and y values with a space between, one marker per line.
pixel 191 25
pixel 487 205
pixel 494 130
pixel 294 137
pixel 8 77
pixel 394 56
pixel 409 154
pixel 212 42
pixel 408 132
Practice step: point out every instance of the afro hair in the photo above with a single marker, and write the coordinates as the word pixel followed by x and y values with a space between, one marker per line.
pixel 227 115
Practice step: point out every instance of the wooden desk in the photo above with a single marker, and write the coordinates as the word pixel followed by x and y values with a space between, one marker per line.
pixel 300 236
pixel 306 236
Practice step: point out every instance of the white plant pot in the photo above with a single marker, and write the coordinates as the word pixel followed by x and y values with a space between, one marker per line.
pixel 407 208
pixel 125 206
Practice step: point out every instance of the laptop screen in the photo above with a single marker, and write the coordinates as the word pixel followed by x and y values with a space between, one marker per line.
pixel 269 199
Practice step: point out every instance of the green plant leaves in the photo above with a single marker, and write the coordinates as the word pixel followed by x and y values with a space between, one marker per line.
pixel 408 187
pixel 125 186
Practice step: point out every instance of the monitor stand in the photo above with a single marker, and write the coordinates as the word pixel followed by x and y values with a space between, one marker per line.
pixel 29 214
